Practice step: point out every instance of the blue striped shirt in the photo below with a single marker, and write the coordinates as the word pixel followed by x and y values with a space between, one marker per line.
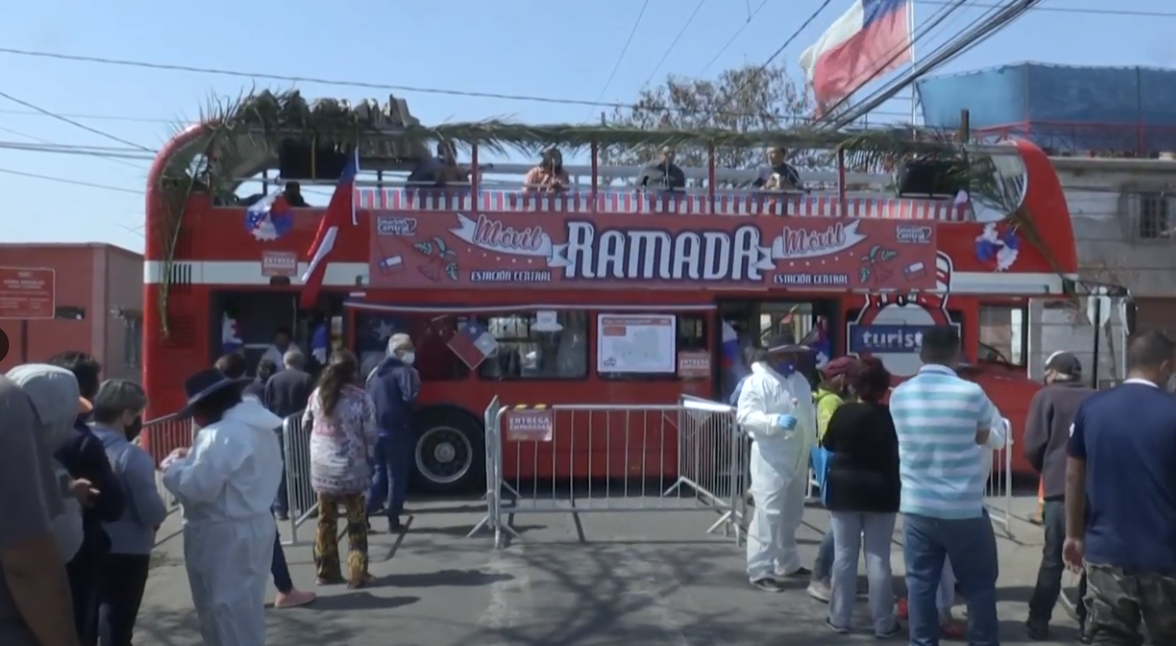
pixel 936 414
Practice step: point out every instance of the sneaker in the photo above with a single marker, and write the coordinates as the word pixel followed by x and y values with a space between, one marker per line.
pixel 799 573
pixel 294 598
pixel 768 584
pixel 894 631
pixel 835 628
pixel 819 590
pixel 1037 631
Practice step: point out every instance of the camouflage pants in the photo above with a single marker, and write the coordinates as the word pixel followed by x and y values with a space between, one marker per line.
pixel 1118 603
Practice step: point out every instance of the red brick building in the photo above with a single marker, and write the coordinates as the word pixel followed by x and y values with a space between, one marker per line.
pixel 98 305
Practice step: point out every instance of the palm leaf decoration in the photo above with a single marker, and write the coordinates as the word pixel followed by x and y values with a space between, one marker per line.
pixel 239 137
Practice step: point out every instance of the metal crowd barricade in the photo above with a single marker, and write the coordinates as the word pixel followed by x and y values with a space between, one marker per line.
pixel 613 458
pixel 301 498
pixel 161 436
pixel 998 489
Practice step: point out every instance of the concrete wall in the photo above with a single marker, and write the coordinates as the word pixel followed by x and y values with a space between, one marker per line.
pixel 91 280
pixel 1115 247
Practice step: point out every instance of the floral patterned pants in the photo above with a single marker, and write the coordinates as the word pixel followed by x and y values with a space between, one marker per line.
pixel 326 541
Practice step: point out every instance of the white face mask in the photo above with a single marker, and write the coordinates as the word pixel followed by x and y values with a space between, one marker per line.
pixel 408 357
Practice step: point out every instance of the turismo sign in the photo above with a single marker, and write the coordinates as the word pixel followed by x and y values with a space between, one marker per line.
pixel 503 250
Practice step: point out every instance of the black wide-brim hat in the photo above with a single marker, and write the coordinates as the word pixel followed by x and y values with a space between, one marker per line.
pixel 785 342
pixel 205 384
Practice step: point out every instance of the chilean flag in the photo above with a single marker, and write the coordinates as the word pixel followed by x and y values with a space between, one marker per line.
pixel 818 341
pixel 342 205
pixel 871 39
pixel 473 344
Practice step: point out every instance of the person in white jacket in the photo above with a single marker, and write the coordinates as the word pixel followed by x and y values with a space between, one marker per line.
pixel 225 485
pixel 945 598
pixel 775 408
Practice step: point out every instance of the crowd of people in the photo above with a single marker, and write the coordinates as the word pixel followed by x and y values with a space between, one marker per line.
pixel 1107 460
pixel 81 506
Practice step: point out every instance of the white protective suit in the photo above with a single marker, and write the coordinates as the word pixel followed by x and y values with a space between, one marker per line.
pixel 779 466
pixel 226 486
pixel 998 437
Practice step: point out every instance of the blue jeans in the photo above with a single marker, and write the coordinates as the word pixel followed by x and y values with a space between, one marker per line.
pixel 392 466
pixel 823 566
pixel 279 569
pixel 281 502
pixel 971 546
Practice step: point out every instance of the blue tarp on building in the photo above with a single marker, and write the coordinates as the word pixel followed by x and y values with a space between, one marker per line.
pixel 1061 107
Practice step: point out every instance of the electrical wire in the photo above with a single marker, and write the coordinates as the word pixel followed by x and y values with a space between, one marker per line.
pixel 891 56
pixel 72 122
pixel 981 31
pixel 116 156
pixel 73 182
pixel 731 41
pixel 674 44
pixel 624 50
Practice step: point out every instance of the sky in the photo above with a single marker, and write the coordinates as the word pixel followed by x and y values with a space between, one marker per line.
pixel 548 48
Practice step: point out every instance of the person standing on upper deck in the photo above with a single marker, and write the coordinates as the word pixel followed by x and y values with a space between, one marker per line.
pixel 663 174
pixel 942 421
pixel 776 409
pixel 1122 464
pixel 549 176
pixel 778 175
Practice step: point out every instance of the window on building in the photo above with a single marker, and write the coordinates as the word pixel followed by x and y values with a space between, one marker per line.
pixel 132 342
pixel 1003 334
pixel 537 345
pixel 1153 215
pixel 691 336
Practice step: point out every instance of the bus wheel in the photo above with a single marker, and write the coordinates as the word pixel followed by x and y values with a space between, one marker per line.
pixel 450 454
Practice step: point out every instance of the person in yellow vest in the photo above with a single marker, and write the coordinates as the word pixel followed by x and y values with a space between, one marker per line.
pixel 830 394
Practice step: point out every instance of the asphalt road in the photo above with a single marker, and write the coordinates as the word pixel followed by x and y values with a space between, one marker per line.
pixel 569 580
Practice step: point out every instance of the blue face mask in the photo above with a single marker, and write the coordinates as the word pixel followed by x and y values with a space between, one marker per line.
pixel 785 368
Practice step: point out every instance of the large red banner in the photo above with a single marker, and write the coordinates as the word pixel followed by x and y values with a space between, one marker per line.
pixel 556 250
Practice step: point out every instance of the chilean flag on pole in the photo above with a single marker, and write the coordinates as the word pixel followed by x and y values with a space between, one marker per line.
pixel 342 205
pixel 871 39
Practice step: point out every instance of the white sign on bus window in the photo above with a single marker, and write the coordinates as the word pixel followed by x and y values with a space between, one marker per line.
pixel 642 343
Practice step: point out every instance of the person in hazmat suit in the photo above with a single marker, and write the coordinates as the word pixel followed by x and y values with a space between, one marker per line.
pixel 225 485
pixel 775 408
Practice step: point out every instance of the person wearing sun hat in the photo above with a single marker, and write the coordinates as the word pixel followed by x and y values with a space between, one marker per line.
pixel 225 485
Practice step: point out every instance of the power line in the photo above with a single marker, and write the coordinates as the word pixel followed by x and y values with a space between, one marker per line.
pixel 72 122
pixel 332 82
pixel 674 44
pixel 116 156
pixel 90 117
pixel 1074 10
pixel 624 50
pixel 731 41
pixel 74 182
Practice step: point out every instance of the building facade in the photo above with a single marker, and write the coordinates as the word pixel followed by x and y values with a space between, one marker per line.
pixel 98 305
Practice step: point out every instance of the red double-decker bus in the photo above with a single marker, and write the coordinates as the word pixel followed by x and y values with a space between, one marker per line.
pixel 602 292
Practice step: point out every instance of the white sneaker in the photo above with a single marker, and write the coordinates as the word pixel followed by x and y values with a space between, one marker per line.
pixel 819 590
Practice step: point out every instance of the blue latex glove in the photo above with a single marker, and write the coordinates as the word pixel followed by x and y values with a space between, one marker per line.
pixel 786 422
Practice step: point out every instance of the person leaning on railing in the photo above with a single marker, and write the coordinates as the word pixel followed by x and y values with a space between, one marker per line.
pixel 342 440
pixel 549 176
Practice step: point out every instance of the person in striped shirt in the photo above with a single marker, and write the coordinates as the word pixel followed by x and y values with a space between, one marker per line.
pixel 942 422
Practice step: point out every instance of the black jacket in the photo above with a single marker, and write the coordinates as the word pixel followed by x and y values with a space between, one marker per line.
pixel 863 471
pixel 287 392
pixel 1047 432
pixel 85 458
